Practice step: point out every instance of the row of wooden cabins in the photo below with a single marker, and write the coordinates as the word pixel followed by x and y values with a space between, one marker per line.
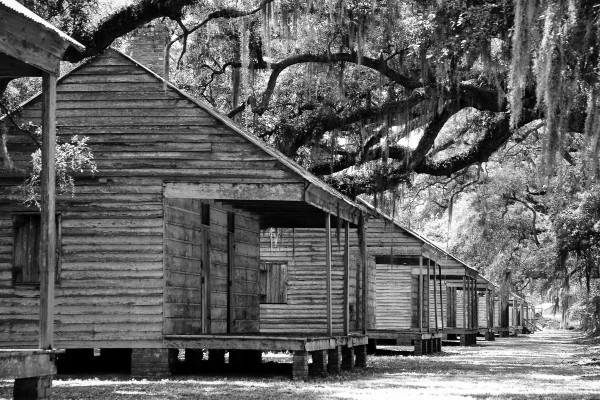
pixel 196 235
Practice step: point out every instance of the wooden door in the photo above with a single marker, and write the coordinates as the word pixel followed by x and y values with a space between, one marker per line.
pixel 185 264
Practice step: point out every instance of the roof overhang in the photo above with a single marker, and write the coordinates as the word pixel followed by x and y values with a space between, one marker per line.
pixel 29 44
pixel 278 204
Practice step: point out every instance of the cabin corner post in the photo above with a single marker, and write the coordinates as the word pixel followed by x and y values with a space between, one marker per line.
pixel 441 298
pixel 421 291
pixel 346 278
pixel 464 302
pixel 48 211
pixel 362 242
pixel 328 265
pixel 435 299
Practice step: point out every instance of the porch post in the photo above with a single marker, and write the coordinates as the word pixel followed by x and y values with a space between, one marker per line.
pixel 363 250
pixel 441 297
pixel 346 278
pixel 464 309
pixel 48 211
pixel 420 292
pixel 435 297
pixel 328 264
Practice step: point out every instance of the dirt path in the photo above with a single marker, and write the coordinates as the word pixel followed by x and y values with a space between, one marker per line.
pixel 546 365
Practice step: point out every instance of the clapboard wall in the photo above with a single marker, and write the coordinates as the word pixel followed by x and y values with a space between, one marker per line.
pixel 303 250
pixel 482 313
pixel 111 285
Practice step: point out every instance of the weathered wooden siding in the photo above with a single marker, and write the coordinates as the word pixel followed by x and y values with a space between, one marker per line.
pixel 186 254
pixel 483 310
pixel 111 288
pixel 394 309
pixel 306 310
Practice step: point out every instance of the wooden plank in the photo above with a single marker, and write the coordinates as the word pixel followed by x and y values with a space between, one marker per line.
pixel 363 250
pixel 236 191
pixel 346 278
pixel 421 293
pixel 48 208
pixel 328 270
pixel 249 342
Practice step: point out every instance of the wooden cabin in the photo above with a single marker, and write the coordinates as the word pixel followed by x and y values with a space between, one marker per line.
pixel 32 47
pixel 486 292
pixel 394 299
pixel 406 298
pixel 459 290
pixel 160 249
pixel 515 309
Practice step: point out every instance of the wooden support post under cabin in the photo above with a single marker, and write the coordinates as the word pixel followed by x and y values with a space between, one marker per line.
pixel 328 265
pixel 319 362
pixel 362 239
pixel 334 360
pixel 435 308
pixel 346 278
pixel 421 293
pixel 48 211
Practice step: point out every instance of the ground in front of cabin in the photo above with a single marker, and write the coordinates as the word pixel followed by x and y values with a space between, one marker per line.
pixel 545 365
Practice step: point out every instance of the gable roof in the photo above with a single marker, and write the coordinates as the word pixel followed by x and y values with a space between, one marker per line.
pixel 312 181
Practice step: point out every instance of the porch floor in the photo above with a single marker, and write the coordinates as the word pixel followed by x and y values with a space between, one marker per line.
pixel 264 342
pixel 329 353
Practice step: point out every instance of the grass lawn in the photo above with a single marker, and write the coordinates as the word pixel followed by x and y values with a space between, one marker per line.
pixel 545 365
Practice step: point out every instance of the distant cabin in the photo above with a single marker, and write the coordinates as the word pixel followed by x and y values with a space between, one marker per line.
pixel 160 249
pixel 459 283
pixel 403 294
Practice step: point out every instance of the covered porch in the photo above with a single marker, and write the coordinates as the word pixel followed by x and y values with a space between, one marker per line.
pixel 285 205
pixel 461 317
pixel 486 291
pixel 407 299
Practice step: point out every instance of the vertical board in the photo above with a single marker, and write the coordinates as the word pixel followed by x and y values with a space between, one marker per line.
pixel 451 306
pixel 184 250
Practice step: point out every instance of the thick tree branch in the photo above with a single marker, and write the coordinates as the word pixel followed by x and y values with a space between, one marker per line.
pixel 123 22
pixel 496 134
pixel 375 64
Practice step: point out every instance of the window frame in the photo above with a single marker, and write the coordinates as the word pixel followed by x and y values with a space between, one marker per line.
pixel 265 267
pixel 58 250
